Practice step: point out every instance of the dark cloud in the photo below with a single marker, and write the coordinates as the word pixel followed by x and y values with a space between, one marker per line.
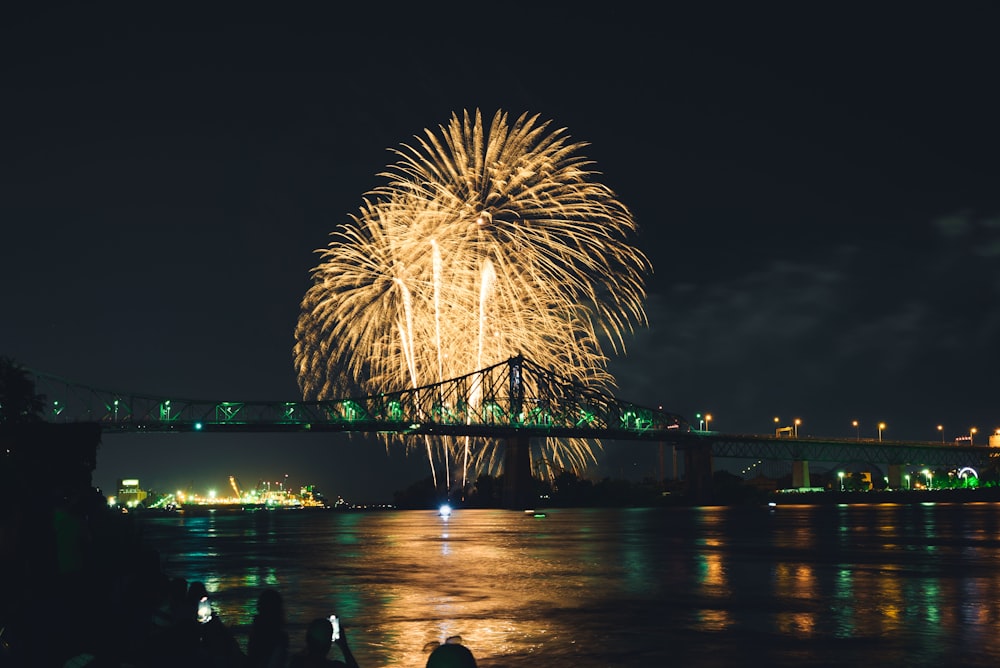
pixel 854 331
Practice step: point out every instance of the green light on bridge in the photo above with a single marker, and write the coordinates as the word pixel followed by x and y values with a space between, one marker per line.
pixel 353 411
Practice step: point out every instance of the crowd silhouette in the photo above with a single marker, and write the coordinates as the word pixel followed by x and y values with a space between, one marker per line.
pixel 82 589
pixel 147 619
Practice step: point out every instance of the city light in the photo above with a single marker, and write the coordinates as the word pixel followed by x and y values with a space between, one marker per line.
pixel 941 431
pixel 972 435
pixel 857 429
pixel 881 428
pixel 797 423
pixel 840 474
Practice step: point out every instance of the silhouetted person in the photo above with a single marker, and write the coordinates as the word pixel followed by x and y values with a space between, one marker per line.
pixel 319 639
pixel 217 646
pixel 188 640
pixel 267 646
pixel 195 592
pixel 451 655
pixel 177 598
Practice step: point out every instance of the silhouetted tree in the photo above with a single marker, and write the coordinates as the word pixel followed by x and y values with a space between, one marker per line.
pixel 485 493
pixel 18 401
pixel 421 494
pixel 569 490
pixel 730 489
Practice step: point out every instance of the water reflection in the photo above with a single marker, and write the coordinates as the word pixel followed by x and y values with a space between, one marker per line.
pixel 884 584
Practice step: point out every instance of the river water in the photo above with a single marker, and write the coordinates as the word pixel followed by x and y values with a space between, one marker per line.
pixel 792 585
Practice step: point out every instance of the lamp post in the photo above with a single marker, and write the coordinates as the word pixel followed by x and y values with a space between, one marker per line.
pixel 907 479
pixel 881 426
pixel 930 478
pixel 972 435
pixel 941 431
pixel 840 474
pixel 797 423
pixel 708 418
pixel 857 429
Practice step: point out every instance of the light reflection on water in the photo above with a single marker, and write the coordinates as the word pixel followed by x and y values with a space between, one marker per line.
pixel 794 585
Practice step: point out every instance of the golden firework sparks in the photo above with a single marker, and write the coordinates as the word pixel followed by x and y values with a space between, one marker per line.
pixel 482 244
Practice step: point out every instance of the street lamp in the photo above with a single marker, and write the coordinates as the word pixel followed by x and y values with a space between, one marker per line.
pixel 857 429
pixel 797 423
pixel 701 421
pixel 840 474
pixel 708 418
pixel 906 477
pixel 941 431
pixel 972 434
pixel 930 478
pixel 881 426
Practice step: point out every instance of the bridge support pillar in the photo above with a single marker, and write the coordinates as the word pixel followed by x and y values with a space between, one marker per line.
pixel 895 474
pixel 800 474
pixel 517 474
pixel 698 473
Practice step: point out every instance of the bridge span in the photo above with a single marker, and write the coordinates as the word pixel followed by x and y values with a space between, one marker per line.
pixel 514 401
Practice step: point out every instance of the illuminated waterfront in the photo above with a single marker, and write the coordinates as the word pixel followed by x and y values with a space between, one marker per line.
pixel 266 495
pixel 796 585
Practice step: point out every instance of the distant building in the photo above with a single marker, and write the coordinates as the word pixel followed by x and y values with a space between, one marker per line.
pixel 995 440
pixel 129 492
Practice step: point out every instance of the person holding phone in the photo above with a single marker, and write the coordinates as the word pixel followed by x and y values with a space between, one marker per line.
pixel 320 637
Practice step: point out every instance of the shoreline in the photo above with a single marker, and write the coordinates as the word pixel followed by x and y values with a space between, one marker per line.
pixel 978 495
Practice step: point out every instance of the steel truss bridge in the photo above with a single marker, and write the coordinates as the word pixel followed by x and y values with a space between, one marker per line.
pixel 516 400
pixel 512 398
pixel 813 449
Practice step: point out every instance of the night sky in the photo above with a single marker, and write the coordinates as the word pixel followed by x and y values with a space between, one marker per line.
pixel 817 190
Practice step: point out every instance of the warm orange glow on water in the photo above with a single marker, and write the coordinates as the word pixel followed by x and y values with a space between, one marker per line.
pixel 587 588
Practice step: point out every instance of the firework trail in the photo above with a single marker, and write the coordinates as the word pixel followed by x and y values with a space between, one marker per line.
pixel 481 244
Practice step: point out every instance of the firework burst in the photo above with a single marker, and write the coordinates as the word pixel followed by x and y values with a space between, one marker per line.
pixel 481 244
